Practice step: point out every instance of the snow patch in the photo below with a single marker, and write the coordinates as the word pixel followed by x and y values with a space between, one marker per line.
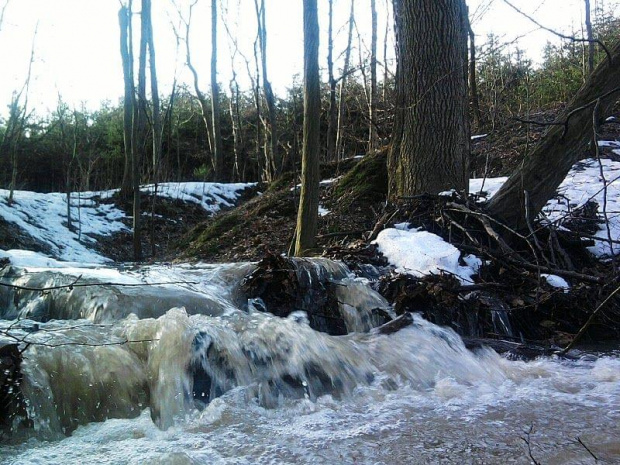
pixel 556 281
pixel 421 253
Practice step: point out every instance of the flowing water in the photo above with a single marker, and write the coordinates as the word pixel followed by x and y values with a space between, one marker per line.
pixel 114 375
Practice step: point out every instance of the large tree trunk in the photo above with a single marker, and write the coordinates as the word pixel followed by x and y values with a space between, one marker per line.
pixel 218 155
pixel 309 198
pixel 561 146
pixel 430 144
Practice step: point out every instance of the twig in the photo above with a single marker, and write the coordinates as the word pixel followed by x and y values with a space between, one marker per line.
pixel 526 439
pixel 562 36
pixel 73 285
pixel 587 448
pixel 340 234
pixel 595 117
pixel 589 322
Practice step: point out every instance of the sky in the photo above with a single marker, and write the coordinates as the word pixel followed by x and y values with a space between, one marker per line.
pixel 77 45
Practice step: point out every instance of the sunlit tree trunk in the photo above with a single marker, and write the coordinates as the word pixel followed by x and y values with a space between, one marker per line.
pixel 307 217
pixel 124 19
pixel 332 121
pixel 218 155
pixel 560 147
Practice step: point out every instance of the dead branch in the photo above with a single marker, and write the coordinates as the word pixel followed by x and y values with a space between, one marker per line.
pixel 559 34
pixel 587 448
pixel 589 322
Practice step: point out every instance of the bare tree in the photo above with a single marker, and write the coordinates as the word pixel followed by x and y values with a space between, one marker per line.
pixel 372 103
pixel 139 130
pixel 473 80
pixel 272 167
pixel 124 19
pixel 343 80
pixel 307 217
pixel 156 110
pixel 218 155
pixel 590 37
pixel 202 99
pixel 18 116
pixel 332 121
pixel 3 11
pixel 234 106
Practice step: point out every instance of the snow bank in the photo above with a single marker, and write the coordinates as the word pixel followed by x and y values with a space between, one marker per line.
pixel 583 182
pixel 44 217
pixel 420 253
pixel 210 196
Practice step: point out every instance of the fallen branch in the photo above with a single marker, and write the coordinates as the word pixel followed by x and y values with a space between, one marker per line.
pixel 75 284
pixel 589 322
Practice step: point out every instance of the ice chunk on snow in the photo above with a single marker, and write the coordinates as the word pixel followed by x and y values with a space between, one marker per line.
pixel 421 253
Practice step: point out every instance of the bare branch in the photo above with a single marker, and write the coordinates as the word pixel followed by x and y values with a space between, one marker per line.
pixel 559 34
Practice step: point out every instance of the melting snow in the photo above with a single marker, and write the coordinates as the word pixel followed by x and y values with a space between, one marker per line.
pixel 44 217
pixel 421 253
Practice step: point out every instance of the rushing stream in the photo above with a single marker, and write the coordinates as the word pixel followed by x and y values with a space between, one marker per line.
pixel 194 373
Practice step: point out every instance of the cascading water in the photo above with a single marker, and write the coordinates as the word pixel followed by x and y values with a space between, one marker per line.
pixel 219 381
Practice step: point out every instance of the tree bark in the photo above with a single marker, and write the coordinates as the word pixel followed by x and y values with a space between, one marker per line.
pixel 430 143
pixel 307 217
pixel 560 147
pixel 218 155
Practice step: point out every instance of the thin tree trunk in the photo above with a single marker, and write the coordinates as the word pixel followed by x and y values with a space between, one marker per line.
pixel 271 151
pixel 560 147
pixel 139 132
pixel 590 37
pixel 21 114
pixel 157 125
pixel 372 104
pixel 307 217
pixel 124 19
pixel 333 109
pixel 473 81
pixel 343 79
pixel 202 100
pixel 218 155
